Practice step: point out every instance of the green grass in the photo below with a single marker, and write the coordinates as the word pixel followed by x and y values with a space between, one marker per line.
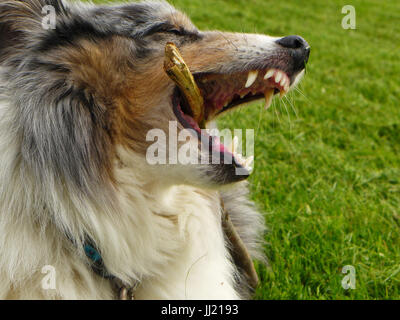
pixel 328 175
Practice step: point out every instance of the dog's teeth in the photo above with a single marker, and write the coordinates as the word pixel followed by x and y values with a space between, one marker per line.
pixel 278 76
pixel 247 163
pixel 283 81
pixel 239 158
pixel 269 74
pixel 283 92
pixel 287 86
pixel 252 77
pixel 269 93
pixel 244 162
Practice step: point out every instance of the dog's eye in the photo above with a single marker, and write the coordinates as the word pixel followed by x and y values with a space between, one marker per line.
pixel 165 28
pixel 188 35
pixel 171 29
pixel 177 32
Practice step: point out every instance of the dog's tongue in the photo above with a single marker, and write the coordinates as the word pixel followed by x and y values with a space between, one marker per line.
pixel 191 121
pixel 217 145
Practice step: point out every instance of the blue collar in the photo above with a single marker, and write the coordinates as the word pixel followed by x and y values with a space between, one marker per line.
pixel 97 263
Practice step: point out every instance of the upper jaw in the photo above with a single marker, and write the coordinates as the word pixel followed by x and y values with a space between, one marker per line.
pixel 222 92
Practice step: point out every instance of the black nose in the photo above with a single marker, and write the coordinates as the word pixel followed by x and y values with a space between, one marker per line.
pixel 300 49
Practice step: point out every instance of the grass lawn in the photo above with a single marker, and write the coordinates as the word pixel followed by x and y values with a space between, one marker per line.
pixel 327 161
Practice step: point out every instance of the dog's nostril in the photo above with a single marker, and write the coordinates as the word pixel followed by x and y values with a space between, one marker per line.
pixel 293 42
pixel 299 50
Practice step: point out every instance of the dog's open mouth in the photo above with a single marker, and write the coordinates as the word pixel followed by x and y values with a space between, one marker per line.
pixel 215 94
pixel 224 92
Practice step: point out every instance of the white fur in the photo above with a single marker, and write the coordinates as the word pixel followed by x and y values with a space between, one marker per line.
pixel 168 237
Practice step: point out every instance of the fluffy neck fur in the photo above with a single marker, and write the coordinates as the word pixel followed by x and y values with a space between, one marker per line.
pixel 168 237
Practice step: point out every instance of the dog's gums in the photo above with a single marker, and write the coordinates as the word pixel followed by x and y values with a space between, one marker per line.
pixel 223 92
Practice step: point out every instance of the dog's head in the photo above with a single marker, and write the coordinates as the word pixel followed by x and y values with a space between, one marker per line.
pixel 96 82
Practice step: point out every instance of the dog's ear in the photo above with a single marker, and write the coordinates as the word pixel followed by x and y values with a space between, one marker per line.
pixel 21 21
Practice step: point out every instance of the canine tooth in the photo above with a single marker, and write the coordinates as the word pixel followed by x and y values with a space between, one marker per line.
pixel 269 74
pixel 287 86
pixel 287 82
pixel 243 161
pixel 278 76
pixel 283 81
pixel 283 92
pixel 239 158
pixel 269 93
pixel 247 163
pixel 252 77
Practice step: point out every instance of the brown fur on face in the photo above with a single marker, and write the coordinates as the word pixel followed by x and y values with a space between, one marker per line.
pixel 106 70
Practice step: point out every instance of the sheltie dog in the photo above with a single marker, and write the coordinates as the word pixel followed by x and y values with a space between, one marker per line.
pixel 80 204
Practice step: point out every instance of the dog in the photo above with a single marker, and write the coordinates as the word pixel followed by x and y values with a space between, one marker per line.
pixel 82 211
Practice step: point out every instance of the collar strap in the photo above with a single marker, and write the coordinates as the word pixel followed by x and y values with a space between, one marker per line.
pixel 123 292
pixel 97 262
